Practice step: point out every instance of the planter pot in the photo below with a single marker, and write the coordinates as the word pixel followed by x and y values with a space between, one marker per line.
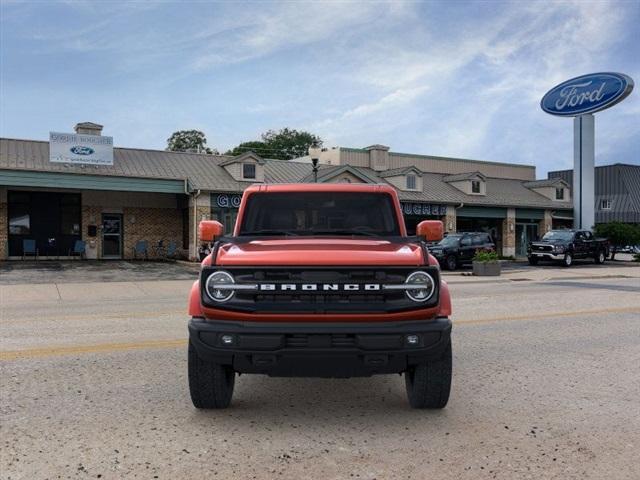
pixel 486 269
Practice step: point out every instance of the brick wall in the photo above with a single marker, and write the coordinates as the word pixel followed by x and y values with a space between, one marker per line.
pixel 152 225
pixel 450 219
pixel 545 224
pixel 509 233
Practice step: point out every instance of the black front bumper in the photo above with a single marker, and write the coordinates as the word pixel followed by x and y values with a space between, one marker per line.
pixel 319 349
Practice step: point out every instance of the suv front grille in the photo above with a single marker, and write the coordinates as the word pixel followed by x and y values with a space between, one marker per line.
pixel 321 300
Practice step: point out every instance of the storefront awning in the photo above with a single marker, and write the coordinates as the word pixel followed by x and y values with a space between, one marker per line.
pixel 482 212
pixel 27 178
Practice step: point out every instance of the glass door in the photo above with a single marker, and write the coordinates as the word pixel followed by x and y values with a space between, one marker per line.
pixel 525 233
pixel 111 235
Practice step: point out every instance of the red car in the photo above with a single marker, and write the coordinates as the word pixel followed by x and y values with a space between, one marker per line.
pixel 320 280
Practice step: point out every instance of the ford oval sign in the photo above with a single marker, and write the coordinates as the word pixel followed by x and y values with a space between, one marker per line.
pixel 587 94
pixel 79 150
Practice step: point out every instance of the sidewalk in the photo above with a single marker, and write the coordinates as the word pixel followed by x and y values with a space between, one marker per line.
pixel 523 272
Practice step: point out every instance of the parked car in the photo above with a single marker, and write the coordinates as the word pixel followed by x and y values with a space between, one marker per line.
pixel 458 249
pixel 565 246
pixel 629 249
pixel 320 280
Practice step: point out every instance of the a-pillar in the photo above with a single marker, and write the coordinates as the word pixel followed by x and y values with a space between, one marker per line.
pixel 509 234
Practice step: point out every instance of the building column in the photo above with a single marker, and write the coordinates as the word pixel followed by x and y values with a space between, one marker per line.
pixel 450 219
pixel 4 225
pixel 545 224
pixel 91 216
pixel 509 234
pixel 199 209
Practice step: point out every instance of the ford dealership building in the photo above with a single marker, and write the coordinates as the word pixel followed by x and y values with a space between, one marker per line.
pixel 79 187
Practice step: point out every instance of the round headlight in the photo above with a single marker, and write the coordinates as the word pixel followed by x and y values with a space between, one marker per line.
pixel 215 286
pixel 424 286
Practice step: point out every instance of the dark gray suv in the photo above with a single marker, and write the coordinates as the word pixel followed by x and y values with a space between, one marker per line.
pixel 457 249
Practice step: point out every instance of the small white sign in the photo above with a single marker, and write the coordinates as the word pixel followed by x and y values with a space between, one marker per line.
pixel 80 149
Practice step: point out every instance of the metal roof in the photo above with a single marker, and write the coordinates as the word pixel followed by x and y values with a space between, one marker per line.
pixel 205 172
pixel 547 182
pixel 463 176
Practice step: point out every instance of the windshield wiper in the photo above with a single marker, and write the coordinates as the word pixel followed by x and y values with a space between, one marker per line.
pixel 345 232
pixel 268 232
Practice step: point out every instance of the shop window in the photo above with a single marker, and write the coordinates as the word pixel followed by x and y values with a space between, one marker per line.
pixel 411 182
pixel 19 213
pixel 249 171
pixel 19 220
pixel 605 204
pixel 559 193
pixel 475 186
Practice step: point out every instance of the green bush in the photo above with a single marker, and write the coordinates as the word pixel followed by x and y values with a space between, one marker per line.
pixel 636 257
pixel 482 256
pixel 619 234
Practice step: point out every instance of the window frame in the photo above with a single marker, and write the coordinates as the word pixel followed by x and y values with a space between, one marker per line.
pixel 414 180
pixel 255 171
pixel 607 202
pixel 560 193
pixel 479 184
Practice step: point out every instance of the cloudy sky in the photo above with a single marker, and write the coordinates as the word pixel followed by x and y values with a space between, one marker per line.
pixel 442 78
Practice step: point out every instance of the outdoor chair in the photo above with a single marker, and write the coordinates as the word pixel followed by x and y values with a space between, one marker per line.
pixel 29 248
pixel 172 248
pixel 159 249
pixel 142 249
pixel 79 248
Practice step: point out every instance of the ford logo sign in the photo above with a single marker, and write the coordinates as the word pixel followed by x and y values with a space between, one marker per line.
pixel 79 150
pixel 587 94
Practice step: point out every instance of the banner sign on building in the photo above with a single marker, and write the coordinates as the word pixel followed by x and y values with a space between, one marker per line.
pixel 80 149
pixel 423 209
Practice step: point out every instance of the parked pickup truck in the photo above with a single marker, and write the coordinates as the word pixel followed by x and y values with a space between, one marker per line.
pixel 320 280
pixel 565 246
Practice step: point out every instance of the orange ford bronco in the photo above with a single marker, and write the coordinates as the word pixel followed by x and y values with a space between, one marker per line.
pixel 320 280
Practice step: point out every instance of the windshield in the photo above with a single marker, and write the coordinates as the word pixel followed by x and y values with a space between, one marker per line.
pixel 558 235
pixel 319 213
pixel 449 241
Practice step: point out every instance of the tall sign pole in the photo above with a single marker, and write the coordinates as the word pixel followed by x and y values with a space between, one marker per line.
pixel 580 97
pixel 583 171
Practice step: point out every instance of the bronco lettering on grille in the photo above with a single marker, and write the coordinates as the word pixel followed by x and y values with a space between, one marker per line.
pixel 323 287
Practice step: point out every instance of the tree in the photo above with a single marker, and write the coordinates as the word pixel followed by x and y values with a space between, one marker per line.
pixel 188 141
pixel 288 144
pixel 256 147
pixel 619 234
pixel 284 144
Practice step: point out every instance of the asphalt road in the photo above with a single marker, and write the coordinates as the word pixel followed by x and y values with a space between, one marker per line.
pixel 546 385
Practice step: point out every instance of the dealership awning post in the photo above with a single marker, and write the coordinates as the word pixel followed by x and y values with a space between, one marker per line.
pixel 583 171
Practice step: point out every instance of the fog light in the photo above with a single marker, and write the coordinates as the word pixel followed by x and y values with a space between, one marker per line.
pixel 413 339
pixel 227 339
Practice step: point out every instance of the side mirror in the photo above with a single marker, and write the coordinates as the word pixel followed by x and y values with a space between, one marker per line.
pixel 209 230
pixel 430 230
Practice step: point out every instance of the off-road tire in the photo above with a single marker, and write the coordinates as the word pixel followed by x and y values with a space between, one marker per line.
pixel 600 257
pixel 429 384
pixel 532 260
pixel 567 261
pixel 210 384
pixel 451 262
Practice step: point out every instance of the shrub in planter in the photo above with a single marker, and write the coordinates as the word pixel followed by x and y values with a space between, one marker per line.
pixel 486 264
